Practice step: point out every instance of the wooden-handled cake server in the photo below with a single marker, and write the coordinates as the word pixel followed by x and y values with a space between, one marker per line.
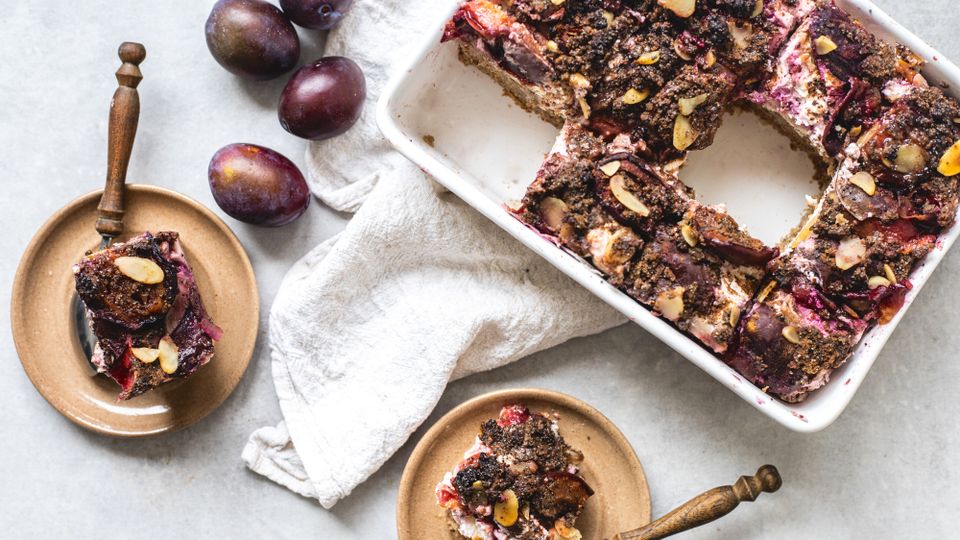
pixel 122 130
pixel 708 506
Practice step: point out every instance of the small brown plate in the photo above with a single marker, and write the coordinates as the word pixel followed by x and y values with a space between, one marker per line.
pixel 46 335
pixel 611 467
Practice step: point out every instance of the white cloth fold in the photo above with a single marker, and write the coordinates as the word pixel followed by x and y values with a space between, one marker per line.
pixel 419 289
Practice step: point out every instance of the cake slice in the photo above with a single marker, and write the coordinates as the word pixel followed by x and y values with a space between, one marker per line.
pixel 700 274
pixel 519 480
pixel 827 80
pixel 563 205
pixel 513 54
pixel 792 338
pixel 146 313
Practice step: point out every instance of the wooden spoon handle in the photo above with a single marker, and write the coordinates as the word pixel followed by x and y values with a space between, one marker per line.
pixel 708 506
pixel 124 117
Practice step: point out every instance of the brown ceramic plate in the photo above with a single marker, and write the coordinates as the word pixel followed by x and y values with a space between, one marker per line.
pixel 611 467
pixel 46 334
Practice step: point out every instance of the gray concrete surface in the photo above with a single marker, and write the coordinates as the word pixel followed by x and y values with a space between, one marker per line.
pixel 886 469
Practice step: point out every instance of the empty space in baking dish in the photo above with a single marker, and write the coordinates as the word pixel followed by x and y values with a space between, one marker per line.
pixel 470 126
pixel 754 170
pixel 475 129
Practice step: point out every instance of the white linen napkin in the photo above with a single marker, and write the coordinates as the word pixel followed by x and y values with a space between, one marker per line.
pixel 369 327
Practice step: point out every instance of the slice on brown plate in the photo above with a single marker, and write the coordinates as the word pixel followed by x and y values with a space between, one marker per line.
pixel 519 480
pixel 548 460
pixel 146 312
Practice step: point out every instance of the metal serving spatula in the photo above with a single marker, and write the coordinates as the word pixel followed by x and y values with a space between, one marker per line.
pixel 124 117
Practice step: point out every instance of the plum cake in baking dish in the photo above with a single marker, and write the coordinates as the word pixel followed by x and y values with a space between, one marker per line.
pixel 519 480
pixel 635 85
pixel 145 310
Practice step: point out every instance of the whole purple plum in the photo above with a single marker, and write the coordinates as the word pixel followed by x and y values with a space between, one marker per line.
pixel 252 39
pixel 257 185
pixel 316 14
pixel 323 99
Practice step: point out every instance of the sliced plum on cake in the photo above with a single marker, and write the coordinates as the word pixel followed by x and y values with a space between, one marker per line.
pixel 858 249
pixel 518 49
pixel 827 80
pixel 700 274
pixel 914 142
pixel 511 52
pixel 146 313
pixel 519 480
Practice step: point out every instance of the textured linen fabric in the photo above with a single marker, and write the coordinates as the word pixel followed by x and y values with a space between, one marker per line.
pixel 369 327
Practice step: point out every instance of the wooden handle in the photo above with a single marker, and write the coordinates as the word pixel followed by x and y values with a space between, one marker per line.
pixel 709 506
pixel 124 117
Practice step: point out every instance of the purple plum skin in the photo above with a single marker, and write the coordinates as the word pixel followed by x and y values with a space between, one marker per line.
pixel 316 14
pixel 257 185
pixel 323 99
pixel 252 39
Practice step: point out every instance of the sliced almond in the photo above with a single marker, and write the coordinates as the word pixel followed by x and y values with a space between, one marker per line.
pixel 910 159
pixel 868 135
pixel 145 354
pixel 864 181
pixel 618 186
pixel 690 236
pixel 741 34
pixel 648 58
pixel 584 107
pixel 875 282
pixel 950 162
pixel 688 105
pixel 851 252
pixel 766 291
pixel 169 355
pixel 579 82
pixel 804 233
pixel 139 269
pixel 552 46
pixel 791 334
pixel 634 96
pixel 507 509
pixel 678 48
pixel 608 16
pixel 680 8
pixel 683 133
pixel 734 316
pixel 670 304
pixel 709 59
pixel 757 9
pixel 888 271
pixel 611 168
pixel 557 2
pixel 553 210
pixel 565 530
pixel 824 45
pixel 614 252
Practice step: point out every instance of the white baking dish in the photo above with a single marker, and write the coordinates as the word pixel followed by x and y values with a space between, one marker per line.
pixel 456 124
